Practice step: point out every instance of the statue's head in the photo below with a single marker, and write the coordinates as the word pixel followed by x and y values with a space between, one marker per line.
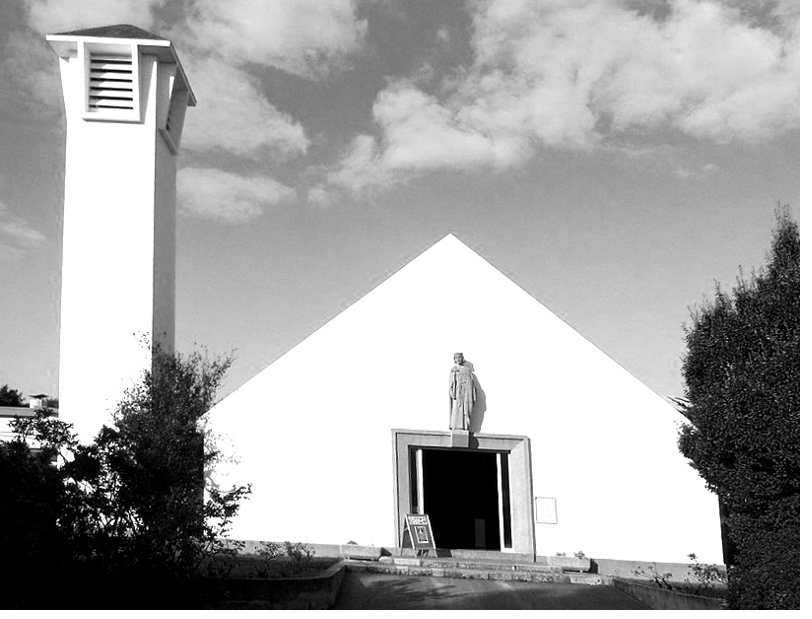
pixel 458 358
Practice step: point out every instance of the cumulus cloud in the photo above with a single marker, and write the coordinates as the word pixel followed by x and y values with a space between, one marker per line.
pixel 361 171
pixel 704 171
pixel 233 116
pixel 422 134
pixel 48 16
pixel 578 74
pixel 559 74
pixel 16 235
pixel 209 193
pixel 224 43
pixel 306 37
pixel 704 68
pixel 29 75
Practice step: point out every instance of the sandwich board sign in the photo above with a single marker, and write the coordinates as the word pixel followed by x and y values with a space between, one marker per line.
pixel 417 534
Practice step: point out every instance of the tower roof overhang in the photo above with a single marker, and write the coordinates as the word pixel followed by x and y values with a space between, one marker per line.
pixel 65 45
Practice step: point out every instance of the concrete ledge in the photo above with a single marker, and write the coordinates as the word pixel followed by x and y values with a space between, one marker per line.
pixel 626 569
pixel 460 438
pixel 355 551
pixel 568 564
pixel 580 578
pixel 314 592
pixel 657 598
pixel 253 546
pixel 455 571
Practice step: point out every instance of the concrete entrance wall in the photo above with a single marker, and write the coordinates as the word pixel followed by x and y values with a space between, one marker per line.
pixel 521 487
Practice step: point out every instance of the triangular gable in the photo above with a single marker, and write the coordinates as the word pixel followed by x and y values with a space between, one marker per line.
pixel 317 421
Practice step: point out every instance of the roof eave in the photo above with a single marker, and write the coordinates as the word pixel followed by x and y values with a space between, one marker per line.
pixel 65 46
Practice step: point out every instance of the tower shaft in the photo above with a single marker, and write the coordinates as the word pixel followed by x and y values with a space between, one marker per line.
pixel 125 101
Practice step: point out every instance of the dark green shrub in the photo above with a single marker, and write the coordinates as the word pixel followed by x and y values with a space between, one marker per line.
pixel 742 373
pixel 134 514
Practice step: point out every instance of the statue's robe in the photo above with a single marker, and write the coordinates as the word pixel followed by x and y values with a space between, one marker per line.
pixel 462 393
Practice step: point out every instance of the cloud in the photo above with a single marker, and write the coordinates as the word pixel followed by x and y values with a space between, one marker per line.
pixel 360 172
pixel 222 45
pixel 233 116
pixel 49 16
pixel 582 74
pixel 209 193
pixel 305 37
pixel 29 75
pixel 709 169
pixel 319 196
pixel 559 74
pixel 17 236
pixel 421 135
pixel 704 69
pixel 9 253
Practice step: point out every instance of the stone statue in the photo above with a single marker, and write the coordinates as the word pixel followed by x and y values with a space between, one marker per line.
pixel 462 393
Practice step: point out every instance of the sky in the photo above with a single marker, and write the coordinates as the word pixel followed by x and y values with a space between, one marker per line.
pixel 615 158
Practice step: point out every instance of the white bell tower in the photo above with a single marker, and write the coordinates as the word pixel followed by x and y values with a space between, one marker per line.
pixel 126 96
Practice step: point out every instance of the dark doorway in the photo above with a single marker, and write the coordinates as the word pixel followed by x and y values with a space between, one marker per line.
pixel 461 496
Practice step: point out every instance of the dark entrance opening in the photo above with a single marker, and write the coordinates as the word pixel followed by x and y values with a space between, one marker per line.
pixel 461 496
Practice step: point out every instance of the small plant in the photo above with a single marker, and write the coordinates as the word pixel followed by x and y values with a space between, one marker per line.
pixel 561 554
pixel 282 560
pixel 706 576
pixel 579 554
pixel 270 551
pixel 221 564
pixel 300 553
pixel 269 554
pixel 650 572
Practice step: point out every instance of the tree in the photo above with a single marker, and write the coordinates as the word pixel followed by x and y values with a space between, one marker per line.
pixel 11 397
pixel 135 510
pixel 31 500
pixel 742 376
pixel 156 454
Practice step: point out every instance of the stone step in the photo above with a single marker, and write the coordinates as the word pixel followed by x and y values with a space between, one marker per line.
pixel 578 578
pixel 451 571
pixel 568 564
pixel 462 563
pixel 439 568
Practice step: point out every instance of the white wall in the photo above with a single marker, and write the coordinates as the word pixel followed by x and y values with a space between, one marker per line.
pixel 111 265
pixel 313 430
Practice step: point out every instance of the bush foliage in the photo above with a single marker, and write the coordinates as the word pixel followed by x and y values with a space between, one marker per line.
pixel 11 397
pixel 127 520
pixel 742 375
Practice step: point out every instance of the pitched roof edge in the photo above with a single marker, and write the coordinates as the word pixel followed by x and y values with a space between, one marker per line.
pixel 445 240
pixel 116 31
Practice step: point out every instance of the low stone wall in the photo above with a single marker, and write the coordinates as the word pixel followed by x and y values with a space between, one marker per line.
pixel 314 592
pixel 252 546
pixel 657 598
pixel 626 569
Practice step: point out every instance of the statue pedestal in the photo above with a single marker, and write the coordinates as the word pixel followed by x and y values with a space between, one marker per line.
pixel 460 438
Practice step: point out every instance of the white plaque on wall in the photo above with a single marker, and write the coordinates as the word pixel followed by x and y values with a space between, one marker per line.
pixel 545 510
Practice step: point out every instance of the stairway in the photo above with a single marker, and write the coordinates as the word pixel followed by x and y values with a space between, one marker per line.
pixel 495 567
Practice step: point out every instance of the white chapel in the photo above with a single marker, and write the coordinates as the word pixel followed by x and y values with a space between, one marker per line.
pixel 349 431
pixel 567 451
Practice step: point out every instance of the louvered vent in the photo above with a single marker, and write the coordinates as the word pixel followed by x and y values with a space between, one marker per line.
pixel 112 84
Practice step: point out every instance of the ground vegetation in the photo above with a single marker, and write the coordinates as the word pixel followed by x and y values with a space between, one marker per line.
pixel 11 397
pixel 127 520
